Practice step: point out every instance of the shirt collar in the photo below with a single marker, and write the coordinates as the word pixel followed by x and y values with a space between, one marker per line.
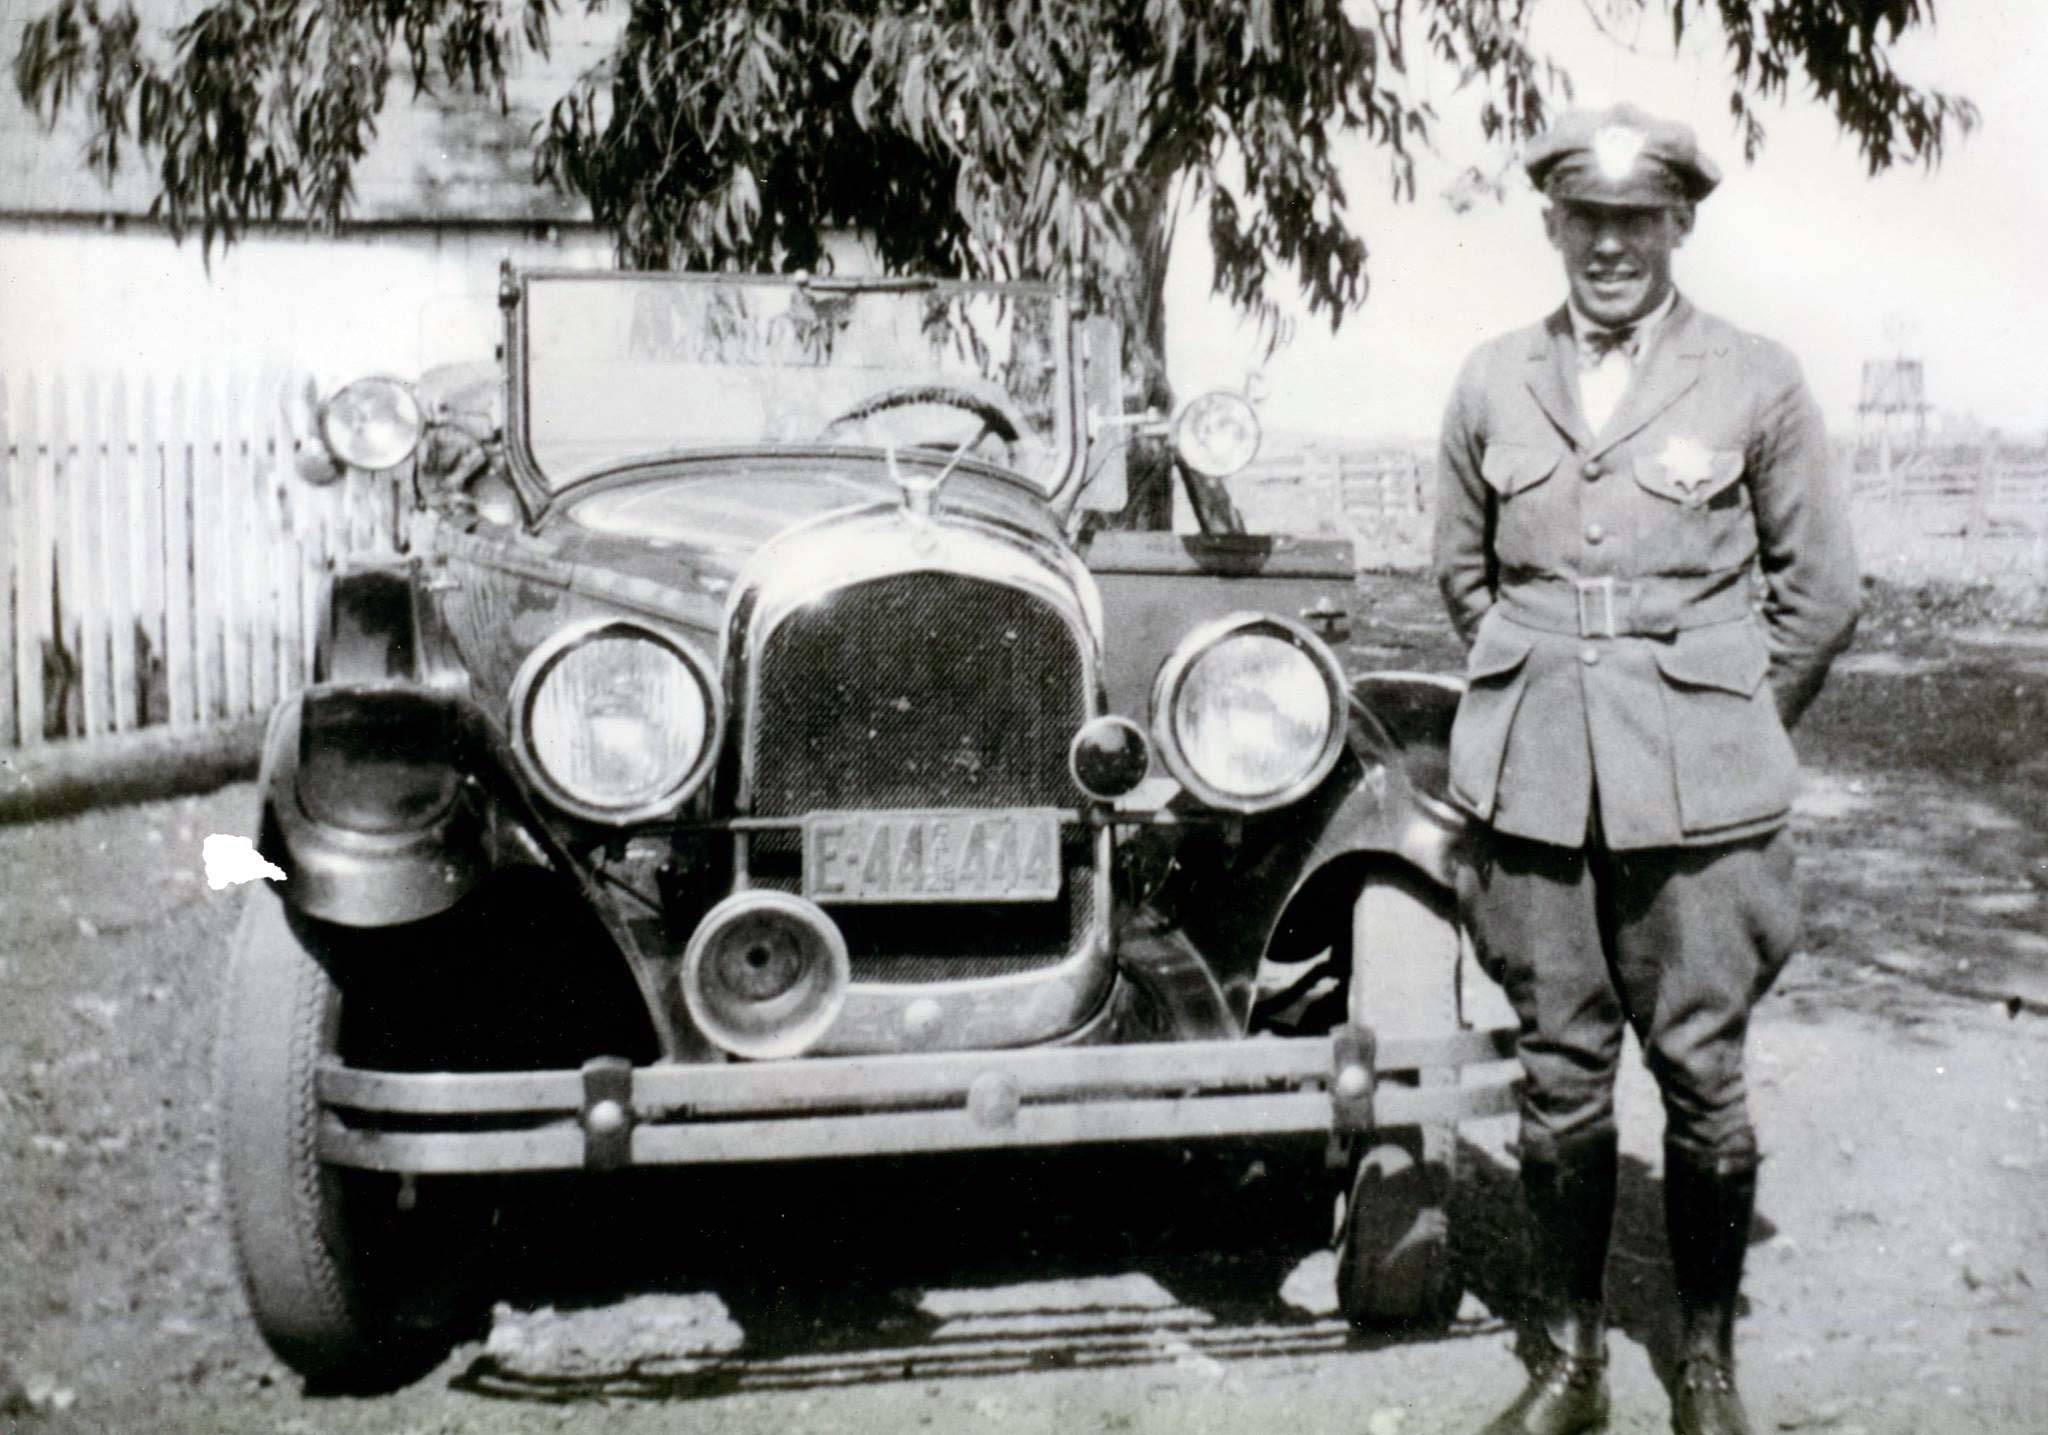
pixel 1644 326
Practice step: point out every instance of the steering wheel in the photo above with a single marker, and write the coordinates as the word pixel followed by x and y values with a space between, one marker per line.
pixel 997 417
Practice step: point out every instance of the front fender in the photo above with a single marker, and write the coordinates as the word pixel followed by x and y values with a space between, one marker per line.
pixel 381 626
pixel 370 631
pixel 1285 888
pixel 366 808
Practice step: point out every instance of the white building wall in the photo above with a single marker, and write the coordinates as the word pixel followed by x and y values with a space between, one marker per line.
pixel 75 297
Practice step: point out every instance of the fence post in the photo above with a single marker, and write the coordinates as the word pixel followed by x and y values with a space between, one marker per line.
pixel 253 558
pixel 118 577
pixel 10 589
pixel 281 636
pixel 208 651
pixel 234 616
pixel 181 648
pixel 67 632
pixel 151 505
pixel 88 587
pixel 1985 481
pixel 1984 489
pixel 32 568
pixel 12 599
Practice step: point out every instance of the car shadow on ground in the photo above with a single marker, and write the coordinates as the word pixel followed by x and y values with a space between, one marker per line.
pixel 824 1276
pixel 925 1268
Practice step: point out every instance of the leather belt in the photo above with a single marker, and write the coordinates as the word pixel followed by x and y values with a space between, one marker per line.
pixel 1624 607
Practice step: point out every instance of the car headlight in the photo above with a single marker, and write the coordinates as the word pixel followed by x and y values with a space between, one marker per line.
pixel 372 423
pixel 616 721
pixel 1249 712
pixel 1216 434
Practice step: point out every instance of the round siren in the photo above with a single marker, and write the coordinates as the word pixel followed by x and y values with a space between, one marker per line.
pixel 765 974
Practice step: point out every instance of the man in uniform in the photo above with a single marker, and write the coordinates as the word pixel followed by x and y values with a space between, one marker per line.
pixel 1641 537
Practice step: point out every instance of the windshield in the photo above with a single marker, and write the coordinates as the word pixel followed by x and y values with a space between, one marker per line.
pixel 618 367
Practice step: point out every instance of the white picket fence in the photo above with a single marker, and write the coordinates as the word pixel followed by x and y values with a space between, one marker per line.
pixel 162 561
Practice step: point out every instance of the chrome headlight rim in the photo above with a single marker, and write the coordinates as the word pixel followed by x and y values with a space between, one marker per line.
pixel 1181 662
pixel 541 661
pixel 336 439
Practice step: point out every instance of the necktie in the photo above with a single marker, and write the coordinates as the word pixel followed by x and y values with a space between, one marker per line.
pixel 1599 343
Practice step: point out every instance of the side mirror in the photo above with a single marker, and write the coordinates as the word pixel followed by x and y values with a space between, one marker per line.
pixel 299 400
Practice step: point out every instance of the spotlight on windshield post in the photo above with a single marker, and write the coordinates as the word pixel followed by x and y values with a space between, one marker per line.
pixel 1217 434
pixel 372 424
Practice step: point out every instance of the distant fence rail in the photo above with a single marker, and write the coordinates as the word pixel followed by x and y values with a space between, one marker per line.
pixel 1352 478
pixel 1971 512
pixel 1957 488
pixel 1376 495
pixel 162 566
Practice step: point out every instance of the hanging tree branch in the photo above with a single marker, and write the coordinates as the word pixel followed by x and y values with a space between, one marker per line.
pixel 1026 137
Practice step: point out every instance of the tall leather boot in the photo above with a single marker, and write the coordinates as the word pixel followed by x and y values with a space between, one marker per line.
pixel 1571 1215
pixel 1707 1211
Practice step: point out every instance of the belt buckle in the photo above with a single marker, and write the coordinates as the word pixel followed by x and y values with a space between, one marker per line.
pixel 1606 626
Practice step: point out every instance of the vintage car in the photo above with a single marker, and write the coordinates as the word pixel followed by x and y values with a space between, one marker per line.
pixel 746 761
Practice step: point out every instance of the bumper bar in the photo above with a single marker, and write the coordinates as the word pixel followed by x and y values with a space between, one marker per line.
pixel 611 1115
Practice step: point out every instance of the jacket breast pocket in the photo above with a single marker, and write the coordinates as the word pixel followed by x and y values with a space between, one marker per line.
pixel 1496 674
pixel 1512 468
pixel 1730 757
pixel 1690 474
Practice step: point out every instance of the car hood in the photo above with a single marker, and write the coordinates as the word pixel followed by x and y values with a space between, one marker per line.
pixel 705 518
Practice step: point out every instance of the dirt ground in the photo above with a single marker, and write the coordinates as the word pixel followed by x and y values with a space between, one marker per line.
pixel 1901 1085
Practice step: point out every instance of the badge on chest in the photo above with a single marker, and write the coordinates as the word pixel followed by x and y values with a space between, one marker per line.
pixel 1687 470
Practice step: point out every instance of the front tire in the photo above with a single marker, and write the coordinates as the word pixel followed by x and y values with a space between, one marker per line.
pixel 1395 1269
pixel 345 1287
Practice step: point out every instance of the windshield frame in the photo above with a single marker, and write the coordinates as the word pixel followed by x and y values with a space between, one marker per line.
pixel 541 495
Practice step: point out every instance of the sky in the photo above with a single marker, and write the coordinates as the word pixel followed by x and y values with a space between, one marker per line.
pixel 1802 246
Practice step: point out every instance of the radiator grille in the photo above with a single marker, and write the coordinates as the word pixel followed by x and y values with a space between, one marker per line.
pixel 919 690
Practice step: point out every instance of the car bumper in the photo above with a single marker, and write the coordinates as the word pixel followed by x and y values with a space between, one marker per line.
pixel 611 1115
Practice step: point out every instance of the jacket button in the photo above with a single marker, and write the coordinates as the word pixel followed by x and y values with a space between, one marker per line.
pixel 1589 655
pixel 1594 469
pixel 1594 533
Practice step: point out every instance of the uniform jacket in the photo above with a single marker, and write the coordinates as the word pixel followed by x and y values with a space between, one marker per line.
pixel 1648 608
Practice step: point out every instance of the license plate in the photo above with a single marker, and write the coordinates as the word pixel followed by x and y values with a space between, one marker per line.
pixel 1004 854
